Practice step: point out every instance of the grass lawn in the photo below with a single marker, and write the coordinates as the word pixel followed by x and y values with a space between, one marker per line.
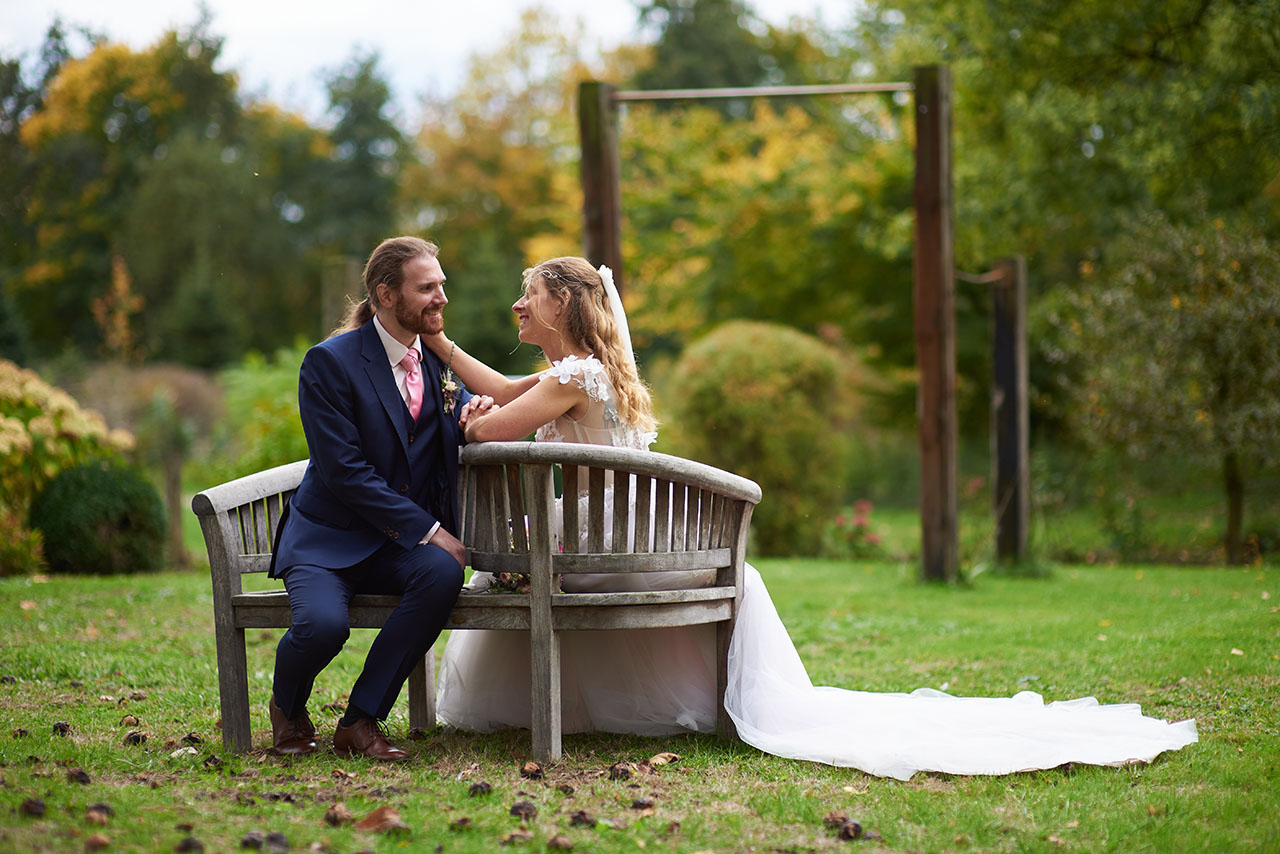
pixel 1183 642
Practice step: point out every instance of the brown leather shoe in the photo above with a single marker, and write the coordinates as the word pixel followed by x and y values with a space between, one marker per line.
pixel 291 737
pixel 366 737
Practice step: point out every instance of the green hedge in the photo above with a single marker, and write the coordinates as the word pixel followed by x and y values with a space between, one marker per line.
pixel 100 518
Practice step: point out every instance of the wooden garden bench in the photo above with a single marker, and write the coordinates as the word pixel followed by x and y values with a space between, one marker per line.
pixel 691 517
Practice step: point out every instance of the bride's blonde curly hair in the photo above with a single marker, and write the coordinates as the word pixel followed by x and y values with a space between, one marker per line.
pixel 589 320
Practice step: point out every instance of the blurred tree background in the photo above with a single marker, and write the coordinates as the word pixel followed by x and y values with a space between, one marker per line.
pixel 152 214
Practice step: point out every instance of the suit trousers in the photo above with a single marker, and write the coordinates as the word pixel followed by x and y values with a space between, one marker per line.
pixel 426 577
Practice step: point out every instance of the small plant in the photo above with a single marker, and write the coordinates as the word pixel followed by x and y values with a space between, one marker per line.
pixel 850 535
pixel 100 518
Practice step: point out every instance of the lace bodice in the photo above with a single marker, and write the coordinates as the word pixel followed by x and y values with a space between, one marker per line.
pixel 601 425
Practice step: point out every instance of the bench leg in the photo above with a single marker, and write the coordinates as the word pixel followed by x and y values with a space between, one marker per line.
pixel 422 693
pixel 724 723
pixel 545 686
pixel 233 687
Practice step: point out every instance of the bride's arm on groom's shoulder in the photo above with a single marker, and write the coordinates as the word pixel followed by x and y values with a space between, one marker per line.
pixel 478 377
pixel 545 402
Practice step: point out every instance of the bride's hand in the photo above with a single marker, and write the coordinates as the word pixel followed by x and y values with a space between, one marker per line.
pixel 481 404
pixel 474 417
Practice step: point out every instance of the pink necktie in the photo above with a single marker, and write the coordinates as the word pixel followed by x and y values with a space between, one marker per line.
pixel 412 382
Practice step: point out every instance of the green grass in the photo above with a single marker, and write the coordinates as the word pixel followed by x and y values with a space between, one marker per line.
pixel 91 650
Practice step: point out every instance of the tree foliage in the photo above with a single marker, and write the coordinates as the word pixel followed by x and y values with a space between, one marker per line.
pixel 1179 337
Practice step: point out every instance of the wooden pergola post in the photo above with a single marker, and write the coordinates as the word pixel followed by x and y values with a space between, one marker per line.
pixel 1010 454
pixel 601 187
pixel 935 323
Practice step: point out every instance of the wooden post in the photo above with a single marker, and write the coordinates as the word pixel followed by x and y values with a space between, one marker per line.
pixel 601 190
pixel 935 322
pixel 1009 427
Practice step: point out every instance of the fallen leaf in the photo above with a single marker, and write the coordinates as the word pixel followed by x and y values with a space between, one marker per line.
pixel 382 820
pixel 1057 840
pixel 1075 822
pixel 62 728
pixel 560 842
pixel 1104 623
pixel 582 818
pixel 660 759
pixel 620 771
pixel 520 835
pixel 96 842
pixel 128 720
pixel 849 830
pixel 138 695
pixel 277 843
pixel 1237 652
pixel 99 813
pixel 338 814
pixel 8 679
pixel 524 810
pixel 565 789
pixel 1102 637
pixel 418 734
pixel 28 605
pixel 480 788
pixel 21 733
pixel 458 824
pixel 212 762
pixel 189 844
pixel 183 751
pixel 642 804
pixel 33 807
pixel 835 819
pixel 134 737
pixel 1153 810
pixel 531 770
pixel 252 840
pixel 191 738
pixel 78 775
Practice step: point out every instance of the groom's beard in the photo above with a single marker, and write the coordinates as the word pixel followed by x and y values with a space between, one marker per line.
pixel 419 322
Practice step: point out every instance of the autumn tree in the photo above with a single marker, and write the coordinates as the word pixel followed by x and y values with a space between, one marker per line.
pixel 495 178
pixel 102 118
pixel 1179 341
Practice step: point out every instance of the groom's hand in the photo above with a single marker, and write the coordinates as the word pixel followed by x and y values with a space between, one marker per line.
pixel 451 544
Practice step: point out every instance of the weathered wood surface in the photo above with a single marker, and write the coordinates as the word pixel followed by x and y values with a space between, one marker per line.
pixel 935 319
pixel 688 517
pixel 1010 445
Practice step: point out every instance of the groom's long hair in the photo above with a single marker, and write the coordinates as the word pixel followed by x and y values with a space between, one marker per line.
pixel 590 322
pixel 385 266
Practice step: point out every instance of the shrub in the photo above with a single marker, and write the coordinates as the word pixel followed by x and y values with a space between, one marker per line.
pixel 849 534
pixel 100 518
pixel 769 403
pixel 21 549
pixel 42 431
pixel 260 427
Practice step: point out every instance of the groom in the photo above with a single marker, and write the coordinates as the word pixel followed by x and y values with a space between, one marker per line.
pixel 375 511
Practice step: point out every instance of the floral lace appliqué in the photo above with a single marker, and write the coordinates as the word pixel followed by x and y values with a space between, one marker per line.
pixel 588 373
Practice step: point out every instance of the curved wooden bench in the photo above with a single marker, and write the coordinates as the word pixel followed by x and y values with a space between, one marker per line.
pixel 688 517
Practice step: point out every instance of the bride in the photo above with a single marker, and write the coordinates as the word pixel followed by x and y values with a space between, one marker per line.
pixel 662 681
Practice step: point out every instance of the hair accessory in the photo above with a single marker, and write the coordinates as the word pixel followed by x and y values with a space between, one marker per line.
pixel 619 313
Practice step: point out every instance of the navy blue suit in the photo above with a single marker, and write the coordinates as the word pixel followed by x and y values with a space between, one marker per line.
pixel 376 484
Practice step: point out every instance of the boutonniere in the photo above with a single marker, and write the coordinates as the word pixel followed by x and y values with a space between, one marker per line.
pixel 450 389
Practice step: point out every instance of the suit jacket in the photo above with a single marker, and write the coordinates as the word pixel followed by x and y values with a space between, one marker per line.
pixel 360 489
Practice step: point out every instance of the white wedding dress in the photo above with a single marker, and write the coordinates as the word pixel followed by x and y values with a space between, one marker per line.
pixel 662 681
